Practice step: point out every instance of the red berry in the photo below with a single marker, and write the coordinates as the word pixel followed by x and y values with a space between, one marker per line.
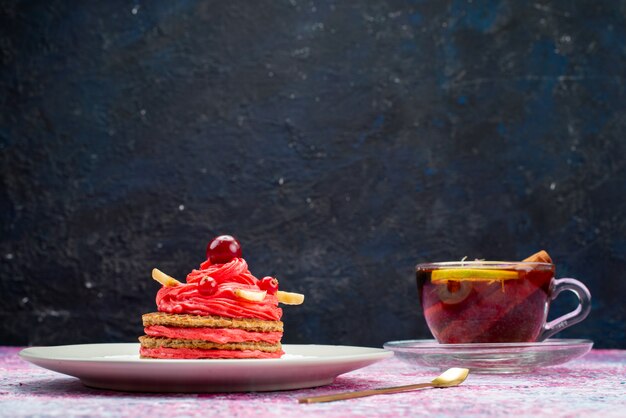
pixel 223 249
pixel 269 284
pixel 207 286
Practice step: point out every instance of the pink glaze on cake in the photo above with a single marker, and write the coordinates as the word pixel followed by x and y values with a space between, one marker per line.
pixel 197 353
pixel 216 335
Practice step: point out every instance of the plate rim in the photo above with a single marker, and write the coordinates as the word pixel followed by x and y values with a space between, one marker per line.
pixel 433 344
pixel 29 354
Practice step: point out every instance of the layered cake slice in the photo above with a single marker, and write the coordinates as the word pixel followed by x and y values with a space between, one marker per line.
pixel 222 311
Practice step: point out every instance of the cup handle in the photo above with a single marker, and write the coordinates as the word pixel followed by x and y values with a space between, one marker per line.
pixel 574 317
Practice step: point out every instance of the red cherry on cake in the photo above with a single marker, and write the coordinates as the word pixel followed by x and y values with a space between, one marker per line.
pixel 269 284
pixel 223 249
pixel 207 286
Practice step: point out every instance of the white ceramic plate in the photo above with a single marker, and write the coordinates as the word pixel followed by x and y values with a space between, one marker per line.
pixel 118 367
pixel 489 358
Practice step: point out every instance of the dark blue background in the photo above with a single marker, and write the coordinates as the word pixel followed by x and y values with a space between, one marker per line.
pixel 341 142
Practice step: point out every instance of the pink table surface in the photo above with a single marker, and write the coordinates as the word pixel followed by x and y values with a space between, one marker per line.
pixel 592 386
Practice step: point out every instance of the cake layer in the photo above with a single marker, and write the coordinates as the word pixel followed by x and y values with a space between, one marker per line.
pixel 210 321
pixel 159 342
pixel 216 335
pixel 198 353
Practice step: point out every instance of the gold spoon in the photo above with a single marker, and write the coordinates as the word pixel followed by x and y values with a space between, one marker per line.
pixel 451 377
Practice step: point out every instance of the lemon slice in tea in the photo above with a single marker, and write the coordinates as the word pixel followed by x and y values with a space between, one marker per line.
pixel 474 275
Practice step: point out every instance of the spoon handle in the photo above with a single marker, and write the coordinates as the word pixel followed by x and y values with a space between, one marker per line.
pixel 363 393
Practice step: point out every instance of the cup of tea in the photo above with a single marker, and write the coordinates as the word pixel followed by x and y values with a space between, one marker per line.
pixel 494 301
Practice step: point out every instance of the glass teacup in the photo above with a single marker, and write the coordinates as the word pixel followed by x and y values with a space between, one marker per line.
pixel 494 301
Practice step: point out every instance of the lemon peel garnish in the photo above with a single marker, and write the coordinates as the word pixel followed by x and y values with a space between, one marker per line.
pixel 473 275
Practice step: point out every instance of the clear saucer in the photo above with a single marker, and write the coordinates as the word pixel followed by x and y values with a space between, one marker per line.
pixel 489 358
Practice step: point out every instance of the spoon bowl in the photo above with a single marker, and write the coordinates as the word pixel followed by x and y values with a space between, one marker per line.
pixel 451 377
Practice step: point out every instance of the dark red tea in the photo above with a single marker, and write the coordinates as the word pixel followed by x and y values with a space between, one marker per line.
pixel 486 303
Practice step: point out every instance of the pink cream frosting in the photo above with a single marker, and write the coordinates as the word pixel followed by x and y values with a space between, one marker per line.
pixel 195 353
pixel 187 299
pixel 215 335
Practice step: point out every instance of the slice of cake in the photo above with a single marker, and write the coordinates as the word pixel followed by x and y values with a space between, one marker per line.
pixel 222 311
